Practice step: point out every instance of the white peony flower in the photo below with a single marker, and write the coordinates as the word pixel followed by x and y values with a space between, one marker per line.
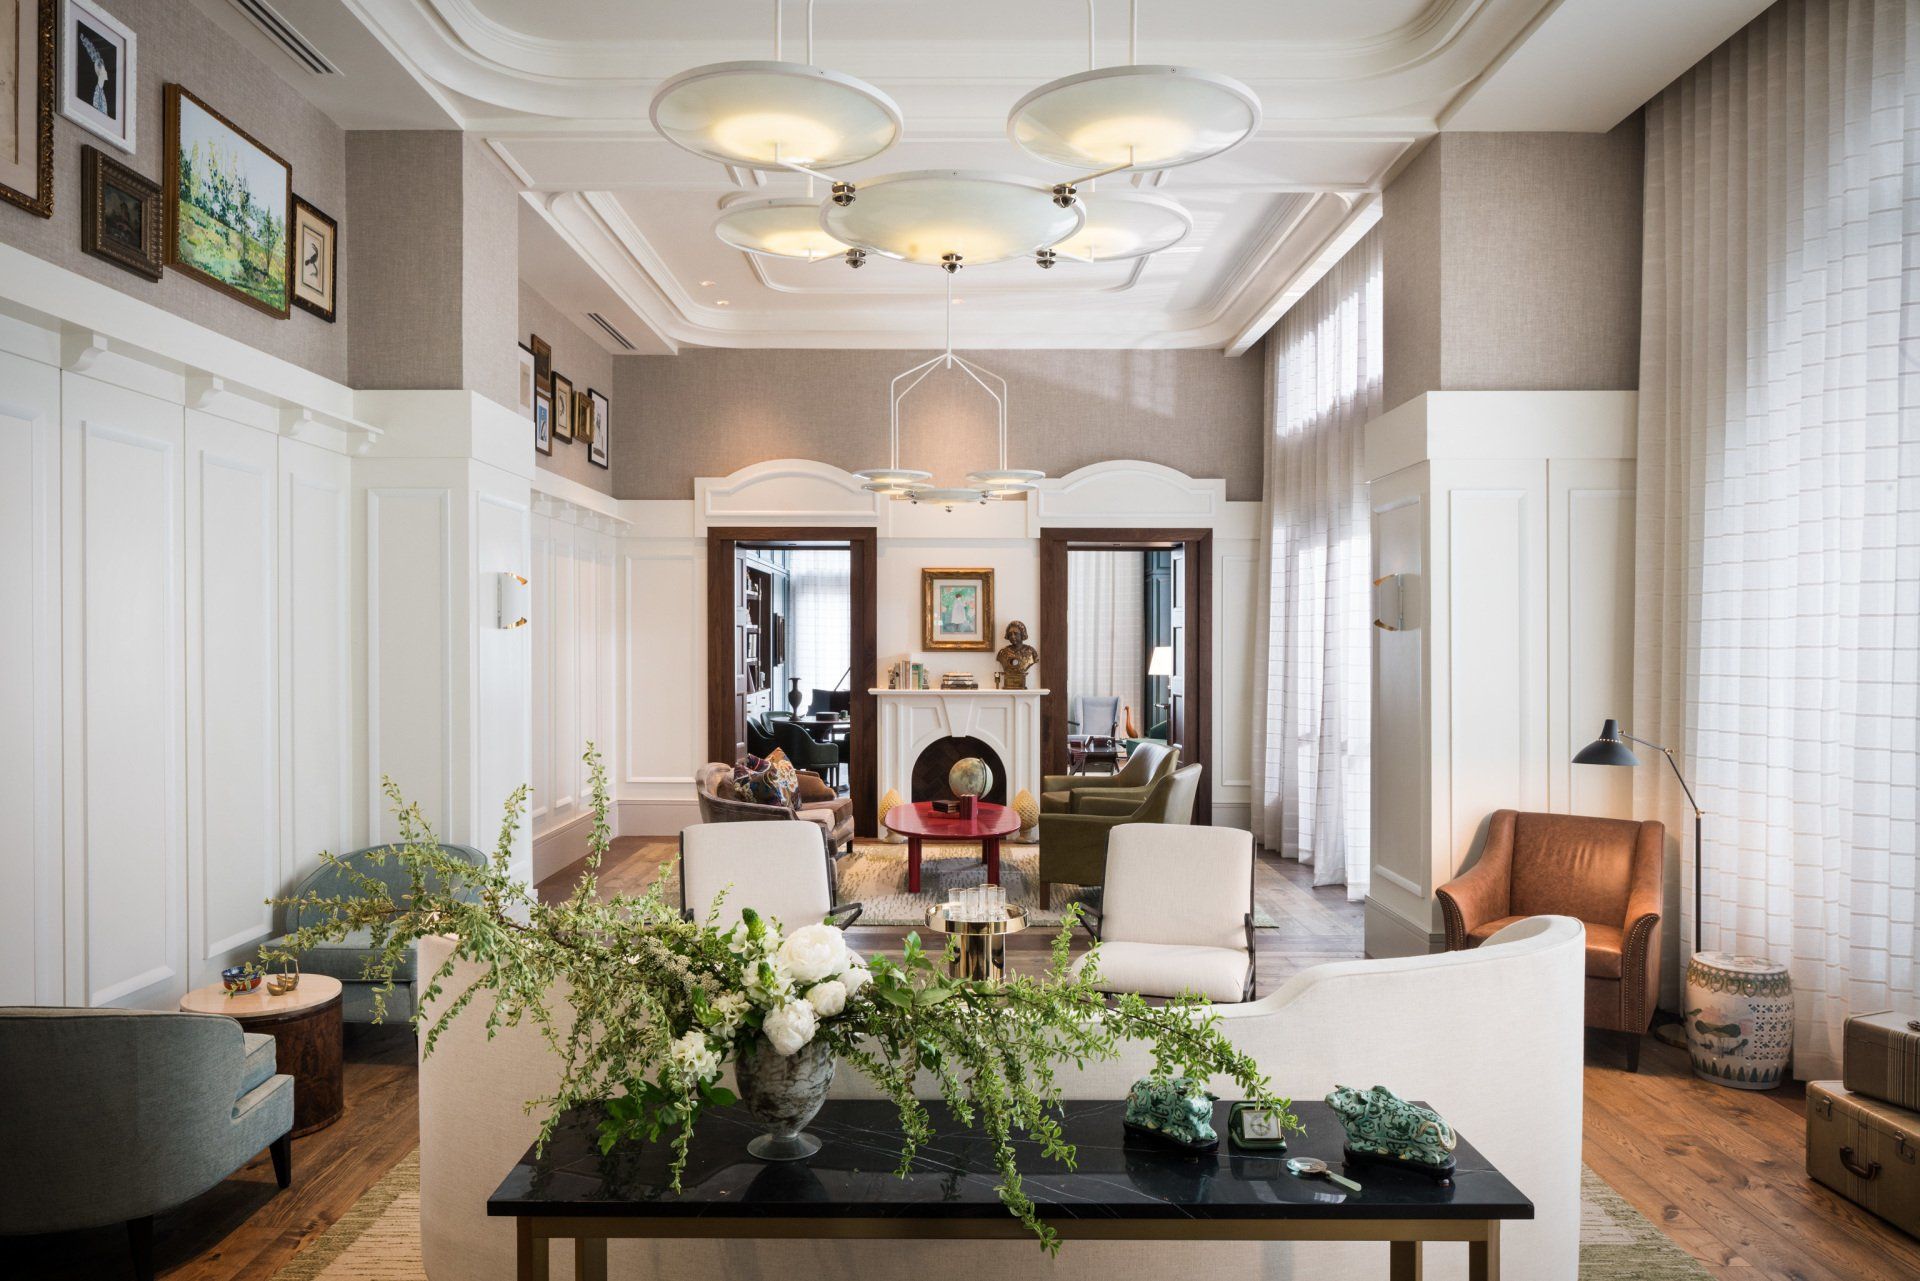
pixel 815 952
pixel 790 1026
pixel 693 1058
pixel 828 998
pixel 853 978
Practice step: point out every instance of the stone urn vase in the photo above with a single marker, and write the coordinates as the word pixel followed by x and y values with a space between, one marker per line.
pixel 783 1092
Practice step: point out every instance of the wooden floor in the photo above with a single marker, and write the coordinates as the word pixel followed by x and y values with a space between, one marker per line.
pixel 1721 1171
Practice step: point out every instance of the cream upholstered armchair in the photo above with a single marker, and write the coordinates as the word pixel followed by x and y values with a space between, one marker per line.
pixel 1177 913
pixel 779 871
pixel 1605 871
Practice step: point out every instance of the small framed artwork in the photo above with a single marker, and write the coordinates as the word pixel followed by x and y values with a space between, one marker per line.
pixel 316 250
pixel 603 423
pixel 562 407
pixel 99 83
pixel 956 609
pixel 228 202
pixel 542 358
pixel 26 119
pixel 527 381
pixel 122 218
pixel 582 418
pixel 543 420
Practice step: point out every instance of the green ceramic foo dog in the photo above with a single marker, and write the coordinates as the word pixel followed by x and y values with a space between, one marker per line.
pixel 1174 1110
pixel 1384 1129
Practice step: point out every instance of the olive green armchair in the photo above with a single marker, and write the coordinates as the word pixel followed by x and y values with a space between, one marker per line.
pixel 1146 765
pixel 1073 847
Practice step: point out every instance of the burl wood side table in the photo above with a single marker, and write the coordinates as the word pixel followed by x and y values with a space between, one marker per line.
pixel 305 1025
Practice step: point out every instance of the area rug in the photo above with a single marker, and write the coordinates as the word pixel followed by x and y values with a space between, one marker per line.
pixel 875 876
pixel 379 1238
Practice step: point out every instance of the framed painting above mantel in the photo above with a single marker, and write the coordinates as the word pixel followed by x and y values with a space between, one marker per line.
pixel 26 127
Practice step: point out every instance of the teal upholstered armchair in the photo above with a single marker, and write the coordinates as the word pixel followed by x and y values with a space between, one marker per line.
pixel 111 1116
pixel 346 959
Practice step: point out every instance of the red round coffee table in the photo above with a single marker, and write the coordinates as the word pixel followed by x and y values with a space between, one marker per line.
pixel 919 822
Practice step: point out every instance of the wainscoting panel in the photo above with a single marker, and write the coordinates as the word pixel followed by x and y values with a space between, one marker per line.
pixel 663 613
pixel 30 782
pixel 1237 590
pixel 540 625
pixel 316 612
pixel 575 673
pixel 410 660
pixel 125 709
pixel 232 650
pixel 1590 543
pixel 502 758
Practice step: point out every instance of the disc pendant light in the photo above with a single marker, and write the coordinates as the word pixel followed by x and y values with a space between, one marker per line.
pixel 951 217
pixel 1126 224
pixel 1134 117
pixel 782 227
pixel 775 115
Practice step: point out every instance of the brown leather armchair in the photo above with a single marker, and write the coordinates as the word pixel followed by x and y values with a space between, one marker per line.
pixel 1606 871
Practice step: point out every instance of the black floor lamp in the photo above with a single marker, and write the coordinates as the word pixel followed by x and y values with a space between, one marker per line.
pixel 1611 749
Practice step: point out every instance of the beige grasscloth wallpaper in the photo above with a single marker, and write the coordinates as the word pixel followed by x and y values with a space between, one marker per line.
pixel 590 366
pixel 181 45
pixel 708 412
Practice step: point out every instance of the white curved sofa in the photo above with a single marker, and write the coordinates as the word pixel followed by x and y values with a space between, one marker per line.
pixel 1491 1037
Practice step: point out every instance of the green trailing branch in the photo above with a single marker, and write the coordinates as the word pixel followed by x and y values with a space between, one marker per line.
pixel 657 1003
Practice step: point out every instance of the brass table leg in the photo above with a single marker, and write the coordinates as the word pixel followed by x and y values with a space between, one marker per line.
pixel 590 1259
pixel 1483 1257
pixel 530 1252
pixel 1406 1261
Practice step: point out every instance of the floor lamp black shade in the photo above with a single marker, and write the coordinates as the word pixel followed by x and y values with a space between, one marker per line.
pixel 1611 749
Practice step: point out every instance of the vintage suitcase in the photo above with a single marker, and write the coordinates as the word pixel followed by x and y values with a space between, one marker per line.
pixel 1867 1151
pixel 1882 1058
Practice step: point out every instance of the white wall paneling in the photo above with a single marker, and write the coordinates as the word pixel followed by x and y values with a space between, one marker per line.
pixel 663 621
pixel 410 637
pixel 1511 516
pixel 233 783
pixel 316 613
pixel 502 660
pixel 31 855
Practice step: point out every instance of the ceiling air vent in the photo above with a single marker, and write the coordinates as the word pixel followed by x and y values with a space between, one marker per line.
pixel 612 333
pixel 281 32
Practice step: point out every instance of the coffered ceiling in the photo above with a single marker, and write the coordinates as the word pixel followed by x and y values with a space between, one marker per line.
pixel 622 219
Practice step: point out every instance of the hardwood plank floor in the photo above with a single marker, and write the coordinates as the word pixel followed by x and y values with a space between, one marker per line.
pixel 1721 1171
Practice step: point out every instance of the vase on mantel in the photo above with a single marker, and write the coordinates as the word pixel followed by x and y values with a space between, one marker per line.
pixel 783 1092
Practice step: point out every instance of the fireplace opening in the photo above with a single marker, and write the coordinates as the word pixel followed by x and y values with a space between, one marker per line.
pixel 941 755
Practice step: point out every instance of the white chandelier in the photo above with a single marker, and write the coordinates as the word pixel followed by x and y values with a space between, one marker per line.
pixel 907 485
pixel 793 117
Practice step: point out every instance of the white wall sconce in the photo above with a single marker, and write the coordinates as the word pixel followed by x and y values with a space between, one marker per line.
pixel 512 601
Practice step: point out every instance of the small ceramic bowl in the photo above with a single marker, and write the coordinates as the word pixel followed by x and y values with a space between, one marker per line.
pixel 236 980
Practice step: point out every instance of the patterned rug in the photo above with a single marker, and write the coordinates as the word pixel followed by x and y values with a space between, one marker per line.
pixel 875 876
pixel 379 1238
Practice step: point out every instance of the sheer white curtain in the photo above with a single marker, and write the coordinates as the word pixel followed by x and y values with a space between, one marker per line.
pixel 1779 542
pixel 821 590
pixel 1106 603
pixel 1312 728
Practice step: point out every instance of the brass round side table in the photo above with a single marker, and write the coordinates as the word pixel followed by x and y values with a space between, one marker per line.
pixel 983 944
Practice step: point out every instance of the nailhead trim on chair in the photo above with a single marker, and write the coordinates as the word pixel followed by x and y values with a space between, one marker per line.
pixel 1456 922
pixel 1633 965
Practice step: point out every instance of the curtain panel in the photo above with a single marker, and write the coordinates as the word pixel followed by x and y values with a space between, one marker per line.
pixel 1313 709
pixel 1778 601
pixel 819 642
pixel 1106 658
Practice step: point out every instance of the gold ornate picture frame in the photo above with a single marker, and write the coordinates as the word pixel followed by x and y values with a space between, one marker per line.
pixel 956 609
pixel 26 146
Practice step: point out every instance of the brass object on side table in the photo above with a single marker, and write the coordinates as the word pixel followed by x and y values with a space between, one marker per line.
pixel 983 944
pixel 286 980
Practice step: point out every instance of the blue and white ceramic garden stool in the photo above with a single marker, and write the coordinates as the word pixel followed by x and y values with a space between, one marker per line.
pixel 1739 1019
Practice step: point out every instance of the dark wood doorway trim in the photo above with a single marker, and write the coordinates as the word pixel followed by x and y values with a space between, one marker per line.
pixel 862 544
pixel 1054 546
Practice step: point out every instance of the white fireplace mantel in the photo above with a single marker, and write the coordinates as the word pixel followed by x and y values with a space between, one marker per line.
pixel 1007 720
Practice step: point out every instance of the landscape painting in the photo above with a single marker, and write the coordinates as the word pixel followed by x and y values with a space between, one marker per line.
pixel 228 202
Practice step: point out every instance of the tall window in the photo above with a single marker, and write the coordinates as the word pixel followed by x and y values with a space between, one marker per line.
pixel 1312 727
pixel 820 618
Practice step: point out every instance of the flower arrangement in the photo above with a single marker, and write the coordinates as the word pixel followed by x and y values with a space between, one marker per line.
pixel 660 1004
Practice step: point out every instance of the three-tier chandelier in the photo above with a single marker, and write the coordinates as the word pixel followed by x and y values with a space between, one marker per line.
pixel 779 116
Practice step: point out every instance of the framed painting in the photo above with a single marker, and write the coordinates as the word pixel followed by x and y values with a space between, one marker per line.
pixel 526 381
pixel 602 422
pixel 582 418
pixel 542 358
pixel 316 256
pixel 122 217
pixel 562 407
pixel 228 203
pixel 99 81
pixel 956 609
pixel 26 117
pixel 543 420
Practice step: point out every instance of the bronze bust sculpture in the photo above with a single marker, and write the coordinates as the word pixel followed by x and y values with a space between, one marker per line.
pixel 1016 657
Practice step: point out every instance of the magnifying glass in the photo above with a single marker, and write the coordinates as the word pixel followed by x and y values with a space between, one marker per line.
pixel 1312 1167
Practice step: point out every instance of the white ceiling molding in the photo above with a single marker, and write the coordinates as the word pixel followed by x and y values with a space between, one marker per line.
pixel 1128 491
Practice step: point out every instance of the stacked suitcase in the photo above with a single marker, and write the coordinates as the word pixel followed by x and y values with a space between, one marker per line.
pixel 1863 1131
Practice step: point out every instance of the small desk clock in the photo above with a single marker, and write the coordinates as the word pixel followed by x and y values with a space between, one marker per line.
pixel 1253 1129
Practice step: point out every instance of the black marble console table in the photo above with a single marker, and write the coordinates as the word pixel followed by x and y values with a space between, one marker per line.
pixel 1123 1188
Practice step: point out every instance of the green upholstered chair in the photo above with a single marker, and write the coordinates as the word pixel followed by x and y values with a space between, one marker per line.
pixel 805 751
pixel 760 739
pixel 1073 847
pixel 1156 734
pixel 112 1116
pixel 1148 764
pixel 346 959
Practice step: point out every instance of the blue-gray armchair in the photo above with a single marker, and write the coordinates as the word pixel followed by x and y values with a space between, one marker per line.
pixel 112 1116
pixel 347 958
